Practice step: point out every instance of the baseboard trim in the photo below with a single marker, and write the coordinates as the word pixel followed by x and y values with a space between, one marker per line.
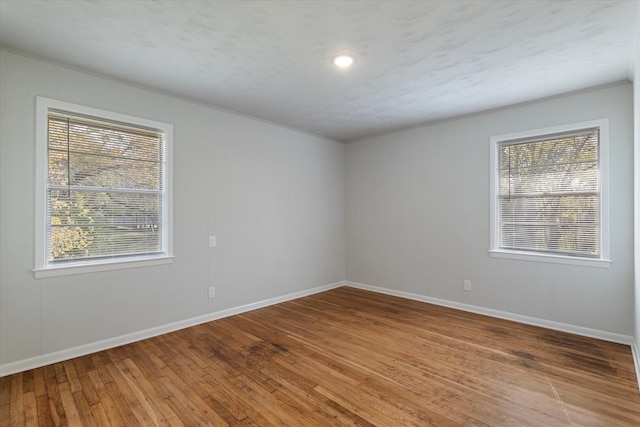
pixel 635 351
pixel 62 355
pixel 534 321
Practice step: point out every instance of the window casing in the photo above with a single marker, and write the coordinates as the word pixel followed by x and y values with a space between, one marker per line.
pixel 549 194
pixel 103 187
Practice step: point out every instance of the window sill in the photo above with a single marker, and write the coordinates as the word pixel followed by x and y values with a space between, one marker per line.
pixel 555 259
pixel 82 268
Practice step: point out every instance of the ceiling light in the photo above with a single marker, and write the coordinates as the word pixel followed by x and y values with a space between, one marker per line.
pixel 343 61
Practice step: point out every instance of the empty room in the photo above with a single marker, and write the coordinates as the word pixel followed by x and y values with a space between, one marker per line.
pixel 319 213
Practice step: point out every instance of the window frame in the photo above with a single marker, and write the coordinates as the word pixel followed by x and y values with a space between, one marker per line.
pixel 604 260
pixel 44 269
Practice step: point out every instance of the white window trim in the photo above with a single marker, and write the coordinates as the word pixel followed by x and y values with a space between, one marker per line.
pixel 495 251
pixel 42 269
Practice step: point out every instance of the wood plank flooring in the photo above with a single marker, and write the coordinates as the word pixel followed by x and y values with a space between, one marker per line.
pixel 345 357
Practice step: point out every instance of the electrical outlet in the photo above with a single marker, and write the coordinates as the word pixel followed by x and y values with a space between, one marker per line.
pixel 467 285
pixel 212 292
pixel 212 241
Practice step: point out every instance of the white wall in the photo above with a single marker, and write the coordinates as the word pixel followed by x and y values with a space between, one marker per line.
pixel 274 197
pixel 418 217
pixel 636 121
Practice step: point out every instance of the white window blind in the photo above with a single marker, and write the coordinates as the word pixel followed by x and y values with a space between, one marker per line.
pixel 549 190
pixel 104 189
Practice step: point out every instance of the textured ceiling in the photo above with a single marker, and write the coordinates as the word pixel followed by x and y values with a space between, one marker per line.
pixel 416 61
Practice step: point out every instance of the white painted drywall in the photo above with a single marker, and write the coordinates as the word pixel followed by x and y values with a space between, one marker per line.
pixel 274 197
pixel 636 121
pixel 418 216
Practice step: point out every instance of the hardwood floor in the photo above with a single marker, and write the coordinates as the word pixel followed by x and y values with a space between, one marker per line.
pixel 340 358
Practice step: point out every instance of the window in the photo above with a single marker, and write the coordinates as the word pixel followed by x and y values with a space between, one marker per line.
pixel 104 190
pixel 549 191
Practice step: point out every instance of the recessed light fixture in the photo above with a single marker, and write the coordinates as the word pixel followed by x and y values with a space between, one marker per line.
pixel 343 61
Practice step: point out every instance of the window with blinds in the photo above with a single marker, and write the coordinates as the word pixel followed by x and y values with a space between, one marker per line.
pixel 548 193
pixel 106 195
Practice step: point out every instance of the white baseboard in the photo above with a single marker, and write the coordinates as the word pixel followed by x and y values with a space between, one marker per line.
pixel 635 351
pixel 549 324
pixel 59 356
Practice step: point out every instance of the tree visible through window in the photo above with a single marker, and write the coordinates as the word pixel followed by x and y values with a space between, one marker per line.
pixel 549 193
pixel 106 195
pixel 105 186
